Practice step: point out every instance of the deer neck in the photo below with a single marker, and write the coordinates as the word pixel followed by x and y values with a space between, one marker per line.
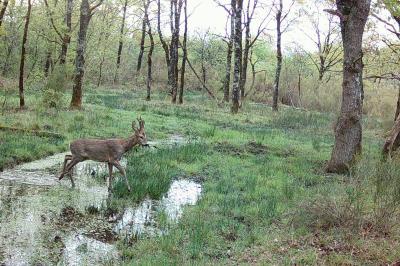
pixel 130 142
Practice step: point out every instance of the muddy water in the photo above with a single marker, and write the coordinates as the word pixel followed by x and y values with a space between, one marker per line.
pixel 44 221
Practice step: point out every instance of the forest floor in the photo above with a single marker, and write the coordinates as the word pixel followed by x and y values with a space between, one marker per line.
pixel 265 198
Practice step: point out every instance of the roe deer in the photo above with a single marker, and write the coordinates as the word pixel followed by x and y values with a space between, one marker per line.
pixel 108 150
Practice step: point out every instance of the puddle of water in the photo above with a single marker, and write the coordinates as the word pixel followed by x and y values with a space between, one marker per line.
pixel 82 250
pixel 142 220
pixel 31 202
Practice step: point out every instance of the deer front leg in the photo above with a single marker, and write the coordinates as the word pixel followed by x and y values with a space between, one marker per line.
pixel 68 168
pixel 110 178
pixel 67 158
pixel 122 171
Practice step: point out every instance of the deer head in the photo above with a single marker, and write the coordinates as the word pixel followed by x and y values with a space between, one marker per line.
pixel 139 133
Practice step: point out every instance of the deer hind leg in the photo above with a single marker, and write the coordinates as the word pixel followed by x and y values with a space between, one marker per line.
pixel 110 177
pixel 122 171
pixel 69 157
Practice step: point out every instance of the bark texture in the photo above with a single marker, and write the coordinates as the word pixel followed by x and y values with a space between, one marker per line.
pixel 23 55
pixel 85 16
pixel 278 56
pixel 3 10
pixel 176 7
pixel 348 130
pixel 238 57
pixel 143 37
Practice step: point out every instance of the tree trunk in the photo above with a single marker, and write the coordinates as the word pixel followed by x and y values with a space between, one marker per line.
pixel 321 70
pixel 120 41
pixel 243 74
pixel 229 54
pixel 397 105
pixel 3 10
pixel 348 131
pixel 299 87
pixel 392 142
pixel 85 16
pixel 163 43
pixel 176 6
pixel 149 61
pixel 142 39
pixel 49 62
pixel 184 56
pixel 67 36
pixel 23 55
pixel 278 57
pixel 238 57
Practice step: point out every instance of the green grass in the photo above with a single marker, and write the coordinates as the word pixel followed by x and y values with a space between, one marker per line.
pixel 266 198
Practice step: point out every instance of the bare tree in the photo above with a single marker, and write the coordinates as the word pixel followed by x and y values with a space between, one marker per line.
pixel 249 39
pixel 348 131
pixel 280 18
pixel 238 56
pixel 4 5
pixel 382 72
pixel 23 55
pixel 86 13
pixel 175 14
pixel 121 38
pixel 163 42
pixel 149 59
pixel 64 35
pixel 143 36
pixel 326 41
pixel 228 39
pixel 184 56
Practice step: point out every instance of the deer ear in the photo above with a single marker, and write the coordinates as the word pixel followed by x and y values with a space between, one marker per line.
pixel 134 126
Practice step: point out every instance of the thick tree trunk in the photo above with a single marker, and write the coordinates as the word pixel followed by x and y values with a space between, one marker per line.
pixel 67 36
pixel 348 131
pixel 85 15
pixel 184 56
pixel 163 42
pixel 278 57
pixel 149 60
pixel 3 10
pixel 23 55
pixel 143 37
pixel 238 57
pixel 121 43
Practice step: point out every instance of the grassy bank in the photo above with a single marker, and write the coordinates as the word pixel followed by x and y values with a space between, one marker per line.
pixel 266 197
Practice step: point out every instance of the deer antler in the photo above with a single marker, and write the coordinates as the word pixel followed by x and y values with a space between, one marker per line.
pixel 134 126
pixel 141 122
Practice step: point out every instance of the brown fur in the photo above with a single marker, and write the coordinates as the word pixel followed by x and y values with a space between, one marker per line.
pixel 107 150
